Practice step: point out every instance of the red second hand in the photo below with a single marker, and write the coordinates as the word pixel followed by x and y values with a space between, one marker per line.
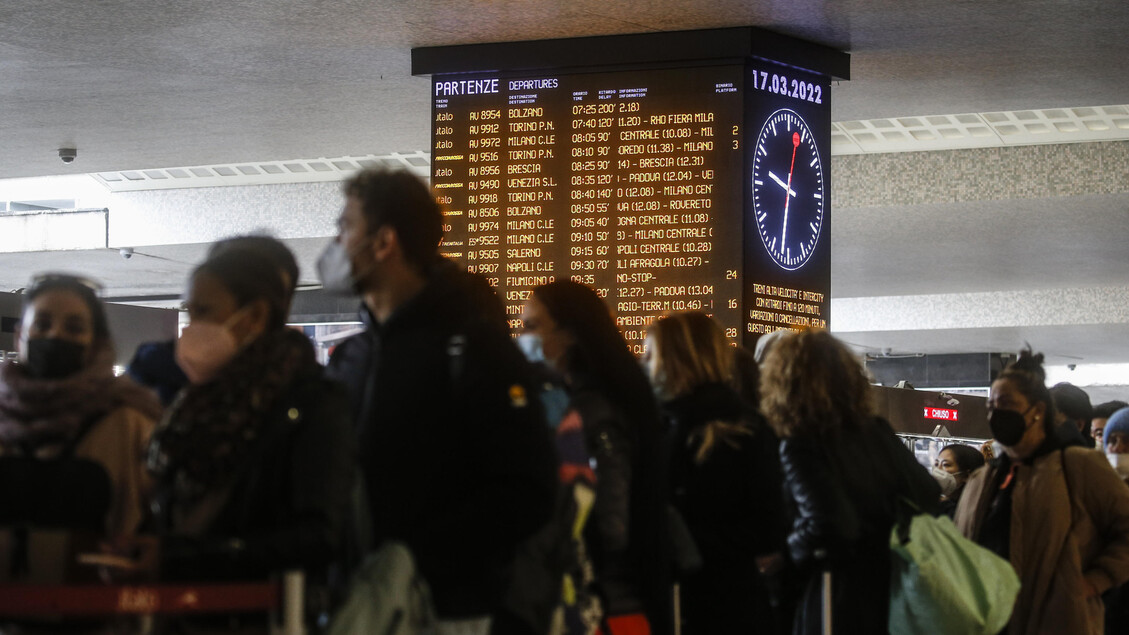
pixel 788 190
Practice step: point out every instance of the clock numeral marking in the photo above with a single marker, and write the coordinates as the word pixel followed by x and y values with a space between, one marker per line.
pixel 772 246
pixel 761 218
pixel 813 227
pixel 761 150
pixel 817 195
pixel 813 162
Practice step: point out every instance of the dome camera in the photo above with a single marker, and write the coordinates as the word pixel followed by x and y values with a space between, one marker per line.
pixel 126 252
pixel 68 155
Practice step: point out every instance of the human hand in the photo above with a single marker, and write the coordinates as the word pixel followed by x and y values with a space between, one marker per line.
pixel 770 564
pixel 125 559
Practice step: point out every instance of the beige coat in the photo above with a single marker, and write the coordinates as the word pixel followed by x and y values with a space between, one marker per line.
pixel 118 442
pixel 1062 530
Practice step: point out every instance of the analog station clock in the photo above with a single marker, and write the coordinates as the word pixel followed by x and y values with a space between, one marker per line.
pixel 788 189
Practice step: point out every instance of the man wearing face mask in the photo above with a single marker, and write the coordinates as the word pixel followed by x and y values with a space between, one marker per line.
pixel 456 457
pixel 61 400
pixel 1059 514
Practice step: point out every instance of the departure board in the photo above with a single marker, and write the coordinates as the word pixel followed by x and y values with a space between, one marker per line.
pixel 626 182
pixel 664 187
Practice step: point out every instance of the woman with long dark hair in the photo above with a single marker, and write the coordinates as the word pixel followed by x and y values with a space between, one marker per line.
pixel 612 397
pixel 60 398
pixel 846 474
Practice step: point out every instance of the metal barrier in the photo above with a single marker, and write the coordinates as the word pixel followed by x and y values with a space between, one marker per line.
pixel 283 599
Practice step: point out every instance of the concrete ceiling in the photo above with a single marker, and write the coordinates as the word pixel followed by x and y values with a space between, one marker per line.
pixel 197 82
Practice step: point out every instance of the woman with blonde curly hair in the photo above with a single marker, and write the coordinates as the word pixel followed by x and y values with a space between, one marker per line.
pixel 845 472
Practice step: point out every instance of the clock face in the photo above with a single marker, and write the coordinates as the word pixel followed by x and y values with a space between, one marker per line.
pixel 787 189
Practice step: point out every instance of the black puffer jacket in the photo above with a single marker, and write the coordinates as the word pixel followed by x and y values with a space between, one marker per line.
pixel 844 488
pixel 453 447
pixel 627 536
pixel 733 506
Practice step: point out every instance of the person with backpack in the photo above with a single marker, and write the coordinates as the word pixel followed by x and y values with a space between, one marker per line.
pixel 612 402
pixel 454 453
pixel 846 475
pixel 60 400
pixel 725 480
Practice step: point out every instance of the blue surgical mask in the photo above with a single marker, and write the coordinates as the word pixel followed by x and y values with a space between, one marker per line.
pixel 530 345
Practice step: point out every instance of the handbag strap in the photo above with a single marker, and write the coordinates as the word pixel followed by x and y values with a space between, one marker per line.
pixel 1069 494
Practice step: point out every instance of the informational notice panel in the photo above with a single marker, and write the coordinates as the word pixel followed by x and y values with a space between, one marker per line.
pixel 666 189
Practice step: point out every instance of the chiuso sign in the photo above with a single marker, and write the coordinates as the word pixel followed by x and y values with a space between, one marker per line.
pixel 942 414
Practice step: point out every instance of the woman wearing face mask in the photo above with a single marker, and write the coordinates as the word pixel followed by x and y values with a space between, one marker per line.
pixel 253 460
pixel 725 478
pixel 958 461
pixel 1060 515
pixel 60 398
pixel 609 394
pixel 1115 442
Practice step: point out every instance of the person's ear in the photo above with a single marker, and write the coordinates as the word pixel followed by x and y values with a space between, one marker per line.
pixel 256 320
pixel 1040 411
pixel 385 243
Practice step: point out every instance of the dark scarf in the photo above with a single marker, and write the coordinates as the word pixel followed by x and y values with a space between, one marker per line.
pixel 38 415
pixel 212 427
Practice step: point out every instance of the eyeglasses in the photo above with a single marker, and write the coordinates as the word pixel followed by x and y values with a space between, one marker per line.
pixel 56 279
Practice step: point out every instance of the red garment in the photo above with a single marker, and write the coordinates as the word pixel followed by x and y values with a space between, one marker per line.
pixel 630 624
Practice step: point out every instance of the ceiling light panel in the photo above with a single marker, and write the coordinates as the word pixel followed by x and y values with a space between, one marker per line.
pixel 264 173
pixel 981 130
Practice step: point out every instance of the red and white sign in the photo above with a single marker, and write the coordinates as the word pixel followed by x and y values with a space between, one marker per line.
pixel 943 414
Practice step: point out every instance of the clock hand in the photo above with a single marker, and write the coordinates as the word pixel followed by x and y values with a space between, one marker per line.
pixel 791 169
pixel 781 183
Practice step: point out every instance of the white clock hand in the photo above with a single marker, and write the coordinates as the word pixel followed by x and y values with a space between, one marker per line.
pixel 782 184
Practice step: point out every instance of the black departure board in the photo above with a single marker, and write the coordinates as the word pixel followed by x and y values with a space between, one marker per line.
pixel 665 187
pixel 626 182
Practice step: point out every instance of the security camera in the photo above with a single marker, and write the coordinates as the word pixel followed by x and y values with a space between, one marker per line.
pixel 126 252
pixel 68 155
pixel 1072 366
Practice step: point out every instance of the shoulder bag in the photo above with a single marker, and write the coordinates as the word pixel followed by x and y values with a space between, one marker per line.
pixel 941 582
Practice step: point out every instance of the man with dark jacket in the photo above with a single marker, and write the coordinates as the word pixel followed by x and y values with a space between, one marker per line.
pixel 456 459
pixel 1073 414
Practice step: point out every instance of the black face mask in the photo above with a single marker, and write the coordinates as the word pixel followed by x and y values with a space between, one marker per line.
pixel 52 358
pixel 1008 426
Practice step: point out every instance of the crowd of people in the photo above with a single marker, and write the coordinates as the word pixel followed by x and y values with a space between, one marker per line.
pixel 557 484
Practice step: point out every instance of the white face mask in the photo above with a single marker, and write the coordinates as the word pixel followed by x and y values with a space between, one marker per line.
pixel 947 481
pixel 335 271
pixel 530 345
pixel 1120 463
